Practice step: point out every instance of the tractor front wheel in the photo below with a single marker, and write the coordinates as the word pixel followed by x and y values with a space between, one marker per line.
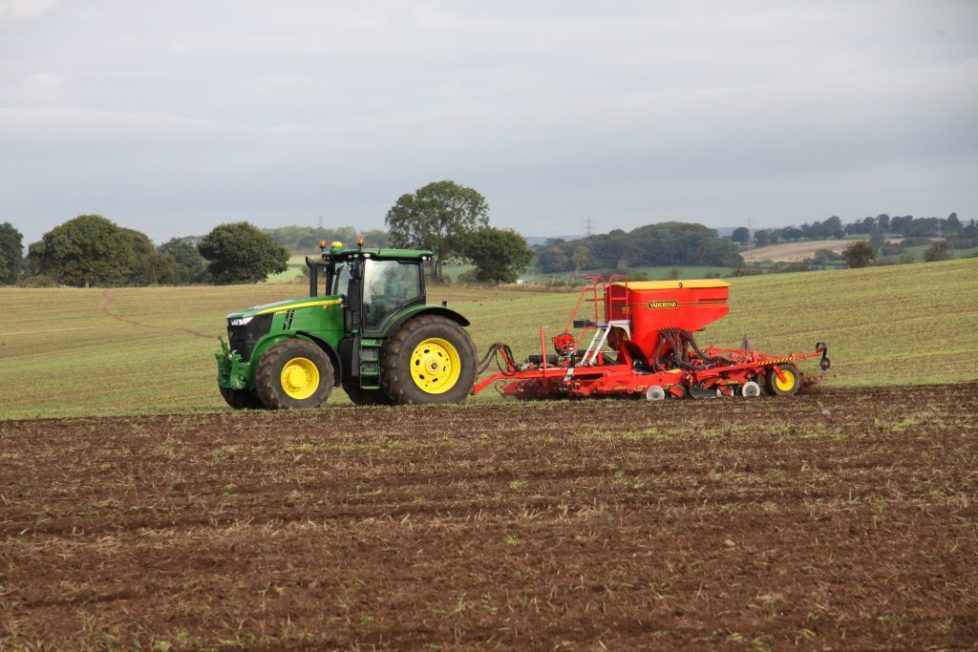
pixel 294 373
pixel 787 383
pixel 430 359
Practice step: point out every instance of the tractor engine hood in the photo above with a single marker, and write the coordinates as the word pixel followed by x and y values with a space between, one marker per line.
pixel 288 304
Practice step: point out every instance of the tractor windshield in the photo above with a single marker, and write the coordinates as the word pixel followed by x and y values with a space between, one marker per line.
pixel 389 285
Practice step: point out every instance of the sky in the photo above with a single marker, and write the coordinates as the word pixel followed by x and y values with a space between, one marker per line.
pixel 173 117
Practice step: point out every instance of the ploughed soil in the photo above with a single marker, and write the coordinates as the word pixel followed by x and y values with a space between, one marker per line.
pixel 842 519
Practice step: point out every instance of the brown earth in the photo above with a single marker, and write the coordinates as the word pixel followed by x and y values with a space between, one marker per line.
pixel 843 519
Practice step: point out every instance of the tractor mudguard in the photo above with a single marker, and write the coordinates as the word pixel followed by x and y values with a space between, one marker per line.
pixel 390 327
pixel 330 351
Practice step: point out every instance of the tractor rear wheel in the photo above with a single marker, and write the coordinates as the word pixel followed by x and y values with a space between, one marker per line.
pixel 788 385
pixel 294 373
pixel 430 359
pixel 241 399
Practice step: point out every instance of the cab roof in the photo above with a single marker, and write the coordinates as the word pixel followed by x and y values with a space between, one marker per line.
pixel 375 252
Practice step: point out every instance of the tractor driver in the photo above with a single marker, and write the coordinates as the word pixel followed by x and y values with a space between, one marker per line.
pixel 399 281
pixel 392 285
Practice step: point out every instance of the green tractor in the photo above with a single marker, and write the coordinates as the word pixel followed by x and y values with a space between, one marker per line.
pixel 370 330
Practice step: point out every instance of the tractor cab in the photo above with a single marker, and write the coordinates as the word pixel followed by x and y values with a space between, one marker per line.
pixel 374 284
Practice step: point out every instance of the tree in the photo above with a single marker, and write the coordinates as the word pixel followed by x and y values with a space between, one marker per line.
pixel 824 256
pixel 859 254
pixel 740 235
pixel 832 228
pixel 499 254
pixel 188 265
pixel 150 267
pixel 900 224
pixel 581 257
pixel 792 233
pixel 665 243
pixel 437 217
pixel 11 253
pixel 938 250
pixel 86 251
pixel 953 224
pixel 877 240
pixel 241 253
pixel 553 258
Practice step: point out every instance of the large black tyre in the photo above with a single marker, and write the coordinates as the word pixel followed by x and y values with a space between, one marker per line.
pixel 787 387
pixel 294 373
pixel 241 399
pixel 361 396
pixel 430 359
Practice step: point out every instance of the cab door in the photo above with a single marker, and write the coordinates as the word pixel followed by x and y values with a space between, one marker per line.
pixel 389 286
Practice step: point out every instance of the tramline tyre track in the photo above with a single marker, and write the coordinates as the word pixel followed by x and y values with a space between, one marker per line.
pixel 106 310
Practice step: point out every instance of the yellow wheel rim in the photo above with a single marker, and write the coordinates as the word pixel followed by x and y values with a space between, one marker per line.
pixel 300 378
pixel 788 382
pixel 435 365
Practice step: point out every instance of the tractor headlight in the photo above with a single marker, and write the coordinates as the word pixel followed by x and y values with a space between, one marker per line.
pixel 241 321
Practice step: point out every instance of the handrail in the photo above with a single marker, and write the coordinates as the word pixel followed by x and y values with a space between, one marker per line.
pixel 610 299
pixel 593 289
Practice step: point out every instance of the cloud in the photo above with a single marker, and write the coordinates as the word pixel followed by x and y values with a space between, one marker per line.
pixel 173 116
pixel 35 89
pixel 17 10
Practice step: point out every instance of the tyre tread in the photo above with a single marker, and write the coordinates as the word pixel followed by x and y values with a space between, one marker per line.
pixel 267 383
pixel 398 385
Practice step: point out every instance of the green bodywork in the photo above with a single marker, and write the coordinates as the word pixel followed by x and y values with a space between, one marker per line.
pixel 351 330
pixel 319 319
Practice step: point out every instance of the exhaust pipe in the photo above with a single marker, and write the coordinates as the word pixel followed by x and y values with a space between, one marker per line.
pixel 313 265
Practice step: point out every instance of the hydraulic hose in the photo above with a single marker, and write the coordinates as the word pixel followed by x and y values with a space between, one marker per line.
pixel 680 341
pixel 495 350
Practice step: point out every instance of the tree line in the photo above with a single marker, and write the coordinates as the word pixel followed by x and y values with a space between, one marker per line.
pixel 93 251
pixel 666 243
pixel 449 219
pixel 90 250
pixel 905 226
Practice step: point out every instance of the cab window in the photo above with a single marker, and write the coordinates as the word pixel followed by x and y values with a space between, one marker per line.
pixel 341 279
pixel 388 286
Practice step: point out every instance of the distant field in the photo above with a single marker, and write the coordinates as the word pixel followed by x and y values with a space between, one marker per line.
pixel 664 272
pixel 794 252
pixel 70 352
pixel 294 271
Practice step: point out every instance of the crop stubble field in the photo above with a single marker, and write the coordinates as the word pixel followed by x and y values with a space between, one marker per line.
pixel 842 519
